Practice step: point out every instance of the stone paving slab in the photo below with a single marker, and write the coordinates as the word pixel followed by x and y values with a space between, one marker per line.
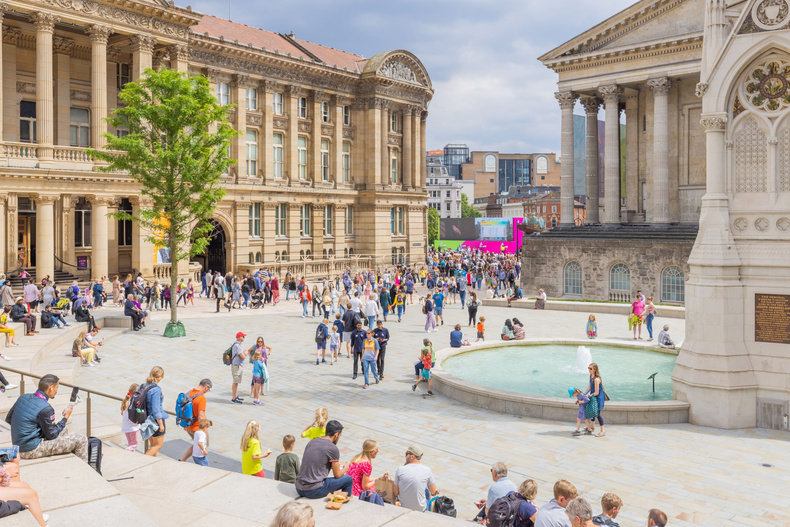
pixel 687 471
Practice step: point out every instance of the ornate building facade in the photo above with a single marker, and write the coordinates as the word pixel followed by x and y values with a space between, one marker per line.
pixel 330 159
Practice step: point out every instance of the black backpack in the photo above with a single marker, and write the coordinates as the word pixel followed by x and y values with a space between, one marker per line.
pixel 444 505
pixel 504 511
pixel 136 411
pixel 320 334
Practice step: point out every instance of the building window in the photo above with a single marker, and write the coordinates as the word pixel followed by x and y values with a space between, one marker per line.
pixel 301 156
pixel 258 257
pixel 401 253
pixel 277 103
pixel 447 206
pixel 394 122
pixel 573 279
pixel 346 161
pixel 125 226
pixel 394 260
pixel 553 222
pixel 280 215
pixel 554 209
pixel 394 167
pixel 252 99
pixel 324 160
pixel 276 256
pixel 620 278
pixel 27 122
pixel 122 76
pixel 79 129
pixel 349 221
pixel 396 220
pixel 252 152
pixel 347 115
pixel 223 93
pixel 448 193
pixel 277 155
pixel 673 285
pixel 251 258
pixel 82 223
pixel 255 220
pixel 325 112
pixel 302 107
pixel 304 220
pixel 328 220
pixel 284 257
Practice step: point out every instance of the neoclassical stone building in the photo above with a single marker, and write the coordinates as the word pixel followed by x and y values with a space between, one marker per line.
pixel 330 161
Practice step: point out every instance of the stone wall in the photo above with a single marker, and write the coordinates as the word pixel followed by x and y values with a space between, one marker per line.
pixel 544 261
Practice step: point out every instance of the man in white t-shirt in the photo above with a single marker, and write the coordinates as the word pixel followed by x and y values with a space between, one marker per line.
pixel 414 483
pixel 356 303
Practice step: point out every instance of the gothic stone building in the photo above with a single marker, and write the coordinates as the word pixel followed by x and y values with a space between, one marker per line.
pixel 330 156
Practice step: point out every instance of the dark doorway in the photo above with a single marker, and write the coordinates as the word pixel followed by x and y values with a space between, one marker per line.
pixel 214 256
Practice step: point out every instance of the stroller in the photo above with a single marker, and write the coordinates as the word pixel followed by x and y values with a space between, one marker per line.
pixel 256 300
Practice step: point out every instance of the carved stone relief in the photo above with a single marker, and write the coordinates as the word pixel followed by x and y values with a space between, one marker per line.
pixel 398 71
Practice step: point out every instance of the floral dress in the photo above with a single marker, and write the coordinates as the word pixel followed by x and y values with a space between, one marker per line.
pixel 357 470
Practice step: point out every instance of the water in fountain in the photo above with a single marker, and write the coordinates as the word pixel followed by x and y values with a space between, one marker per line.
pixel 583 359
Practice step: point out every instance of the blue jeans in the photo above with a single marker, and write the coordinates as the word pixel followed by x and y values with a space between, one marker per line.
pixel 400 311
pixel 343 483
pixel 202 461
pixel 367 364
pixel 462 294
pixel 304 308
pixel 650 325
pixel 246 298
pixel 341 308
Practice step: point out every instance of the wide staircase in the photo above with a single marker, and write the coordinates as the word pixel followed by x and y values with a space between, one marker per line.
pixel 134 489
pixel 63 278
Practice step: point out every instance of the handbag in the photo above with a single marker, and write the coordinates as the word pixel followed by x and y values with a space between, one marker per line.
pixel 591 409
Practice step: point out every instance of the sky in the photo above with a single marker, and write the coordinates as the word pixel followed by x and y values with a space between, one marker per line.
pixel 491 92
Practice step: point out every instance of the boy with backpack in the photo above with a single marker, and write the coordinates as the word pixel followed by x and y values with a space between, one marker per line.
pixel 190 410
pixel 321 336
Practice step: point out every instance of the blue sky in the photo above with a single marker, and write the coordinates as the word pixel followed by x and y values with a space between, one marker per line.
pixel 491 92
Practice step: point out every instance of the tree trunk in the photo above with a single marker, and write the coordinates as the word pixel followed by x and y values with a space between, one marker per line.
pixel 173 277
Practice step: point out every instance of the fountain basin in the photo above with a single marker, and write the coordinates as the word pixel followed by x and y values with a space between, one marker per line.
pixel 502 393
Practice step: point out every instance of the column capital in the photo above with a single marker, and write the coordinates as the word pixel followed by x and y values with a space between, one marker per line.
pixel 293 90
pixel 591 104
pixel 62 45
pixel 179 52
pixel 341 100
pixel 320 96
pixel 11 35
pixel 660 86
pixel 241 81
pixel 268 85
pixel 44 21
pixel 610 94
pixel 211 74
pixel 142 43
pixel 714 122
pixel 3 9
pixel 45 199
pixel 99 33
pixel 424 115
pixel 97 199
pixel 566 99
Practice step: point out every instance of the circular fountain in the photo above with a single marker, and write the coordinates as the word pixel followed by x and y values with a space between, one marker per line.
pixel 531 378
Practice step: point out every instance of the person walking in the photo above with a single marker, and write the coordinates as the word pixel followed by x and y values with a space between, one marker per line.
pixel 198 396
pixel 369 357
pixel 382 336
pixel 237 354
pixel 597 398
pixel 430 321
pixel 154 409
pixel 471 307
pixel 371 310
pixel 357 339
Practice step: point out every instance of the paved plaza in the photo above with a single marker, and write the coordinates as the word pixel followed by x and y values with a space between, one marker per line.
pixel 697 475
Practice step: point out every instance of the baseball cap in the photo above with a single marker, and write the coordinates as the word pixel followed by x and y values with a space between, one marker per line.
pixel 571 390
pixel 414 449
pixel 240 334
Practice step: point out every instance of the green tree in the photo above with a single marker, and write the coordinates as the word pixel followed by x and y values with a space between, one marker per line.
pixel 172 152
pixel 468 211
pixel 433 225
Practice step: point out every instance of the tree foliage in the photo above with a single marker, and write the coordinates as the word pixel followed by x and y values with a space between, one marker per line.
pixel 433 225
pixel 468 211
pixel 176 149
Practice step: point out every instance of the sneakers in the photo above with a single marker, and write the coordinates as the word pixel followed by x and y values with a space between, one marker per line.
pixel 377 381
pixel 414 387
pixel 588 432
pixel 237 400
pixel 430 392
pixel 257 403
pixel 316 362
pixel 576 433
pixel 354 376
pixel 364 386
pixel 323 360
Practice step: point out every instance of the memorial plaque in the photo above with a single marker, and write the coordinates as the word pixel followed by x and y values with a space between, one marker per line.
pixel 772 318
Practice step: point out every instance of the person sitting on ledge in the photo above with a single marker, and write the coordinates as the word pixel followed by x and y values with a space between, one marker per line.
pixel 20 314
pixel 51 318
pixel 33 426
pixel 130 309
pixel 321 456
pixel 508 332
pixel 664 340
pixel 81 313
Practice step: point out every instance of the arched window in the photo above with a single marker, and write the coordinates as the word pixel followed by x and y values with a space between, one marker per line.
pixel 324 254
pixel 252 258
pixel 394 255
pixel 673 285
pixel 301 255
pixel 276 256
pixel 309 254
pixel 351 251
pixel 345 252
pixel 573 278
pixel 401 252
pixel 258 257
pixel 284 257
pixel 331 253
pixel 620 278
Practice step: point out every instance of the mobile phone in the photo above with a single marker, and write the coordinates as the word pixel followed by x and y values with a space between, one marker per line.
pixel 74 392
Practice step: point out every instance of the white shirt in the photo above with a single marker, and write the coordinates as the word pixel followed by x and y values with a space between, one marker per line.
pixel 355 303
pixel 200 437
pixel 412 480
pixel 371 308
pixel 126 425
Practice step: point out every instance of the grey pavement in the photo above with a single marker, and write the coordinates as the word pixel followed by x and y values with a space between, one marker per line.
pixel 696 475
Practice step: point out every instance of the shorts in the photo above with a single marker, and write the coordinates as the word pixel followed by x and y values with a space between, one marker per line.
pixel 426 374
pixel 333 347
pixel 437 311
pixel 321 346
pixel 257 380
pixel 480 335
pixel 160 433
pixel 346 336
pixel 235 372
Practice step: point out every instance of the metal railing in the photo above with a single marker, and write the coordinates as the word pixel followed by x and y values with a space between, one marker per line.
pixel 89 269
pixel 87 391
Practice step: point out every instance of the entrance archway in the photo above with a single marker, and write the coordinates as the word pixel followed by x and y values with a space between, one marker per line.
pixel 214 257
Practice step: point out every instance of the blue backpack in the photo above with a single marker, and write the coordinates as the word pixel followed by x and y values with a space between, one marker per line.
pixel 371 497
pixel 185 412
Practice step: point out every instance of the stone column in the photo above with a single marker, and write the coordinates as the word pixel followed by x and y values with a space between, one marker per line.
pixel 45 29
pixel 337 139
pixel 241 245
pixel 142 248
pixel 373 143
pixel 112 237
pixel 142 54
pixel 292 228
pixel 99 236
pixel 268 229
pixel 238 149
pixel 3 7
pixel 406 159
pixel 265 151
pixel 67 208
pixel 419 157
pixel 179 58
pixel 567 100
pixel 63 49
pixel 45 235
pixel 611 97
pixel 99 35
pixel 386 176
pixel 660 202
pixel 3 219
pixel 317 228
pixel 632 154
pixel 591 106
pixel 319 97
pixel 291 161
